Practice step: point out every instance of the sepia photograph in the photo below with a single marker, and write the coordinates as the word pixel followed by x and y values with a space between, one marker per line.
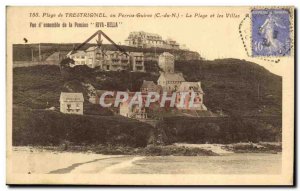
pixel 150 95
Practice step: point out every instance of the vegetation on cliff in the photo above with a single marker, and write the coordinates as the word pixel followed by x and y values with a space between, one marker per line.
pixel 245 95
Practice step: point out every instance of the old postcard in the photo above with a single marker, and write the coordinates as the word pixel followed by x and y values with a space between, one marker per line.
pixel 150 95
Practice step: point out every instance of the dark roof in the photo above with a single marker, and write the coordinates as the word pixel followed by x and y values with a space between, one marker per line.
pixel 73 97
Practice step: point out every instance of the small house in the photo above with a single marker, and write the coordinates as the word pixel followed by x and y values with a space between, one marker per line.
pixel 71 103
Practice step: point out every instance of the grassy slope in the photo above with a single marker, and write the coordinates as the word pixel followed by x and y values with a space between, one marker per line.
pixel 35 86
pixel 39 87
pixel 229 85
pixel 40 127
pixel 232 85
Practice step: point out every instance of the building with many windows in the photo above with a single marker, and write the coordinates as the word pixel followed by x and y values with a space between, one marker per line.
pixel 143 39
pixel 137 61
pixel 109 60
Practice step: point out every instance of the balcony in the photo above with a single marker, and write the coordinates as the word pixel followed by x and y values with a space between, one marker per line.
pixel 115 59
pixel 139 59
pixel 125 61
pixel 115 63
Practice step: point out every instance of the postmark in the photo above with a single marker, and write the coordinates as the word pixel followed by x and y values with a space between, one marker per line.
pixel 270 32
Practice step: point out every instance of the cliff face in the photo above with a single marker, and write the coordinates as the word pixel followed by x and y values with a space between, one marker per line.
pixel 236 87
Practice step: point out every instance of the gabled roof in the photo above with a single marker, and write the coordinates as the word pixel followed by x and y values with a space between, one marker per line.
pixel 171 77
pixel 72 97
pixel 147 84
pixel 108 52
pixel 187 86
pixel 151 86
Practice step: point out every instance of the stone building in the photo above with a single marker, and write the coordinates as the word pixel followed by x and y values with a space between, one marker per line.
pixel 166 62
pixel 170 82
pixel 114 61
pixel 137 61
pixel 143 39
pixel 71 103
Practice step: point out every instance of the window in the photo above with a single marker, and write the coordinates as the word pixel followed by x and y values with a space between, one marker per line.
pixel 77 107
pixel 98 56
pixel 69 107
pixel 82 62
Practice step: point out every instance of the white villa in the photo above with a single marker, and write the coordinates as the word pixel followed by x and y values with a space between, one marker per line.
pixel 71 103
pixel 109 60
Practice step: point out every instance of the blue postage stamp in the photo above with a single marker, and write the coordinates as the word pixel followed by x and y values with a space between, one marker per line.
pixel 271 32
